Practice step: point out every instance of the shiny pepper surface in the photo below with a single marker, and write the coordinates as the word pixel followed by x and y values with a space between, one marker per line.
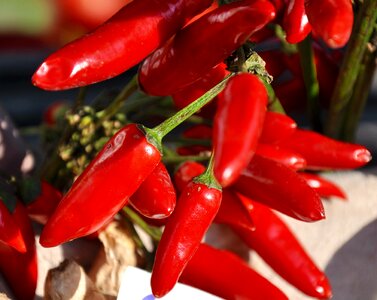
pixel 278 247
pixel 237 125
pixel 276 127
pixel 155 198
pixel 196 208
pixel 203 44
pixel 321 152
pixel 20 269
pixel 295 22
pixel 281 188
pixel 331 20
pixel 104 187
pixel 119 44
pixel 224 274
pixel 10 232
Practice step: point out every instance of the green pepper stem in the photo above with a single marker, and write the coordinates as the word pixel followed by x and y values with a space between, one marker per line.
pixel 169 124
pixel 273 101
pixel 311 83
pixel 208 177
pixel 362 31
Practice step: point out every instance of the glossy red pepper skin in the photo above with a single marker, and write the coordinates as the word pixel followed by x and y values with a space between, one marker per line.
pixel 45 204
pixel 224 274
pixel 277 246
pixel 237 125
pixel 103 188
pixel 10 233
pixel 212 38
pixel 295 22
pixel 155 198
pixel 271 183
pixel 276 127
pixel 324 187
pixel 193 91
pixel 20 269
pixel 196 208
pixel 321 152
pixel 231 211
pixel 287 158
pixel 117 45
pixel 332 20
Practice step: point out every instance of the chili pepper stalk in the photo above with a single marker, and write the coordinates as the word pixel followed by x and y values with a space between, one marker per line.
pixel 349 71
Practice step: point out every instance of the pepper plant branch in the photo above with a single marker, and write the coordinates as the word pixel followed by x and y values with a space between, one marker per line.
pixel 169 124
pixel 208 177
pixel 273 101
pixel 361 92
pixel 311 83
pixel 362 31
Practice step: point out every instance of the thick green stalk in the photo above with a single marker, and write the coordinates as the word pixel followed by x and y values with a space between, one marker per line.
pixel 349 70
pixel 311 83
pixel 360 95
pixel 273 101
pixel 208 177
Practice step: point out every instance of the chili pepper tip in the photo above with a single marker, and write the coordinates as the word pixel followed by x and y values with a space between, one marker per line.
pixel 363 156
pixel 323 288
pixel 52 74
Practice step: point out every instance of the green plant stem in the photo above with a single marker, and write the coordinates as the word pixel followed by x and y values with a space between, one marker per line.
pixel 360 95
pixel 169 124
pixel 208 177
pixel 362 31
pixel 311 83
pixel 273 101
pixel 154 233
pixel 114 107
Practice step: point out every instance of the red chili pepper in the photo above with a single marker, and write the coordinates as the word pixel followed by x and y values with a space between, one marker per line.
pixel 117 45
pixel 192 92
pixel 155 198
pixel 104 187
pixel 287 158
pixel 276 127
pixel 324 188
pixel 20 269
pixel 273 60
pixel 211 38
pixel 196 208
pixel 237 125
pixel 10 232
pixel 231 211
pixel 224 274
pixel 331 20
pixel 295 22
pixel 196 132
pixel 272 184
pixel 292 94
pixel 45 204
pixel 278 247
pixel 321 152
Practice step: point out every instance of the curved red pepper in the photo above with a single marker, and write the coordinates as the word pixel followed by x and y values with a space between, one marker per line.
pixel 224 274
pixel 295 22
pixel 331 20
pixel 276 127
pixel 103 188
pixel 10 232
pixel 117 45
pixel 211 39
pixel 45 204
pixel 321 152
pixel 237 125
pixel 184 97
pixel 155 198
pixel 231 211
pixel 287 158
pixel 280 188
pixel 20 269
pixel 196 208
pixel 278 247
pixel 324 188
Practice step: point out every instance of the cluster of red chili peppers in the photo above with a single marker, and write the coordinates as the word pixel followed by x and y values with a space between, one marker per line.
pixel 260 160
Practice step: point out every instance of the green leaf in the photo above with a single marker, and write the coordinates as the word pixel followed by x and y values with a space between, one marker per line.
pixel 29 189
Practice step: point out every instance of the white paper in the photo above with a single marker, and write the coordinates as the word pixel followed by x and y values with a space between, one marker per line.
pixel 136 286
